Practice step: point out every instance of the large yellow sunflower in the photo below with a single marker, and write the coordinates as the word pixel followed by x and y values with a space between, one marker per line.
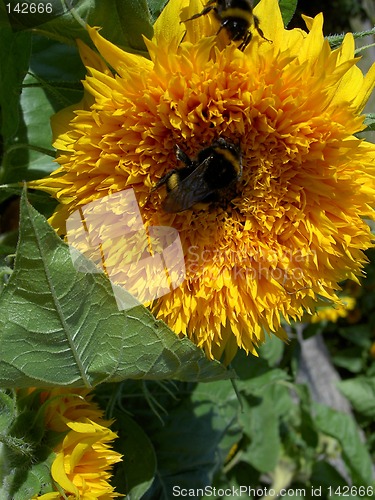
pixel 293 229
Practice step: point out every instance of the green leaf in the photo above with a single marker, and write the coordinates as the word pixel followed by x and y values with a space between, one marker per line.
pixel 325 476
pixel 222 396
pixel 56 78
pixel 343 428
pixel 361 393
pixel 62 327
pixel 370 122
pixel 46 88
pixel 123 22
pixel 272 350
pixel 195 439
pixel 260 422
pixel 266 400
pixel 14 60
pixel 7 192
pixel 156 6
pixel 255 374
pixel 25 457
pixel 307 428
pixel 288 8
pixel 136 472
pixel 7 411
pixel 350 359
pixel 135 21
pixel 26 482
pixel 360 334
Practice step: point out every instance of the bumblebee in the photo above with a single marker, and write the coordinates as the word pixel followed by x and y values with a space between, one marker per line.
pixel 236 17
pixel 212 175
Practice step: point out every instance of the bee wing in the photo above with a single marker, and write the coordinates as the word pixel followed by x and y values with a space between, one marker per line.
pixel 189 191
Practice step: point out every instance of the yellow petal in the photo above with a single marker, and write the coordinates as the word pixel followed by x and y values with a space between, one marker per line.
pixel 120 60
pixel 60 476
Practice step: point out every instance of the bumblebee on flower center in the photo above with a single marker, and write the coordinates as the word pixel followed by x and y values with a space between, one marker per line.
pixel 211 177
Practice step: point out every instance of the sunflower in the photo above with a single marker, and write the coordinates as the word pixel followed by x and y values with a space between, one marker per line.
pixel 84 458
pixel 292 229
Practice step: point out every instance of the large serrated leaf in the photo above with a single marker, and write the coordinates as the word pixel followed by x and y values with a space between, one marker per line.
pixel 59 326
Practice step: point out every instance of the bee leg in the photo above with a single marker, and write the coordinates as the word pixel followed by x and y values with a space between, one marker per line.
pixel 183 37
pixel 259 31
pixel 181 156
pixel 162 181
pixel 245 42
pixel 205 11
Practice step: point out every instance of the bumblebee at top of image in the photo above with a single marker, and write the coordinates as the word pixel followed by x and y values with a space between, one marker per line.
pixel 211 177
pixel 236 17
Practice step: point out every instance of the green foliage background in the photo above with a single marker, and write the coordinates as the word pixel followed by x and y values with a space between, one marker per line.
pixel 299 417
